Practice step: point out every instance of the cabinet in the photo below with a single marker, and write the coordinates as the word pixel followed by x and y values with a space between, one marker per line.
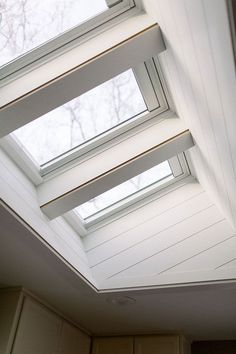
pixel 38 330
pixel 9 310
pixel 72 340
pixel 156 345
pixel 146 344
pixel 113 345
pixel 31 327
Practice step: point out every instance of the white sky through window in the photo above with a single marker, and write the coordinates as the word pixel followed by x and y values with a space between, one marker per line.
pixel 26 24
pixel 124 190
pixel 83 118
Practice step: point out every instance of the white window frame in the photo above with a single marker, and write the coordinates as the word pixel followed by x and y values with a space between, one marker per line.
pixel 178 168
pixel 118 11
pixel 112 166
pixel 156 96
pixel 159 104
pixel 181 173
pixel 77 71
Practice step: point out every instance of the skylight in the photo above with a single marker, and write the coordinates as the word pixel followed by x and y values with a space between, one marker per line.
pixel 27 24
pixel 83 118
pixel 156 175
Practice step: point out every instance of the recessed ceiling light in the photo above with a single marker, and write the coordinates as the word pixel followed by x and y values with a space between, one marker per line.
pixel 121 300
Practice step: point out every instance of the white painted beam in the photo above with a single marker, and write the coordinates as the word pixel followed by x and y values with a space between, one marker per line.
pixel 113 166
pixel 89 73
pixel 37 75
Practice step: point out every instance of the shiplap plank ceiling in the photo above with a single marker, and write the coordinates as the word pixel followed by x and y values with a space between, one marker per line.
pixel 182 232
pixel 153 247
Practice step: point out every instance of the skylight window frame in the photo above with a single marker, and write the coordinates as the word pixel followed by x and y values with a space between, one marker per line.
pixel 149 120
pixel 136 196
pixel 155 93
pixel 181 174
pixel 58 45
pixel 126 159
pixel 152 83
pixel 78 71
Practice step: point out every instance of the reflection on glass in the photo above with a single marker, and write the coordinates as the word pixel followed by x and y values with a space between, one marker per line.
pixel 83 118
pixel 124 190
pixel 26 24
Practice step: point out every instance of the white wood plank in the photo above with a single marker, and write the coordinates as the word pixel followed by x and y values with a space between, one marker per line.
pixel 191 76
pixel 169 279
pixel 51 233
pixel 149 229
pixel 224 65
pixel 152 255
pixel 215 116
pixel 184 250
pixel 141 215
pixel 27 193
pixel 197 277
pixel 179 84
pixel 230 264
pixel 20 194
pixel 199 71
pixel 173 65
pixel 210 259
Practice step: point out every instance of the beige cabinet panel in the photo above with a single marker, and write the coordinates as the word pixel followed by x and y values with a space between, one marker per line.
pixel 113 345
pixel 9 306
pixel 156 345
pixel 73 341
pixel 38 331
pixel 185 346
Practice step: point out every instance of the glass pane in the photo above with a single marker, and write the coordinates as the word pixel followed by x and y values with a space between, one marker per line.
pixel 124 190
pixel 26 24
pixel 83 118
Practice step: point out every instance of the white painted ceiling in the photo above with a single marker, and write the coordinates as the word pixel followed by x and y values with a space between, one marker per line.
pixel 199 68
